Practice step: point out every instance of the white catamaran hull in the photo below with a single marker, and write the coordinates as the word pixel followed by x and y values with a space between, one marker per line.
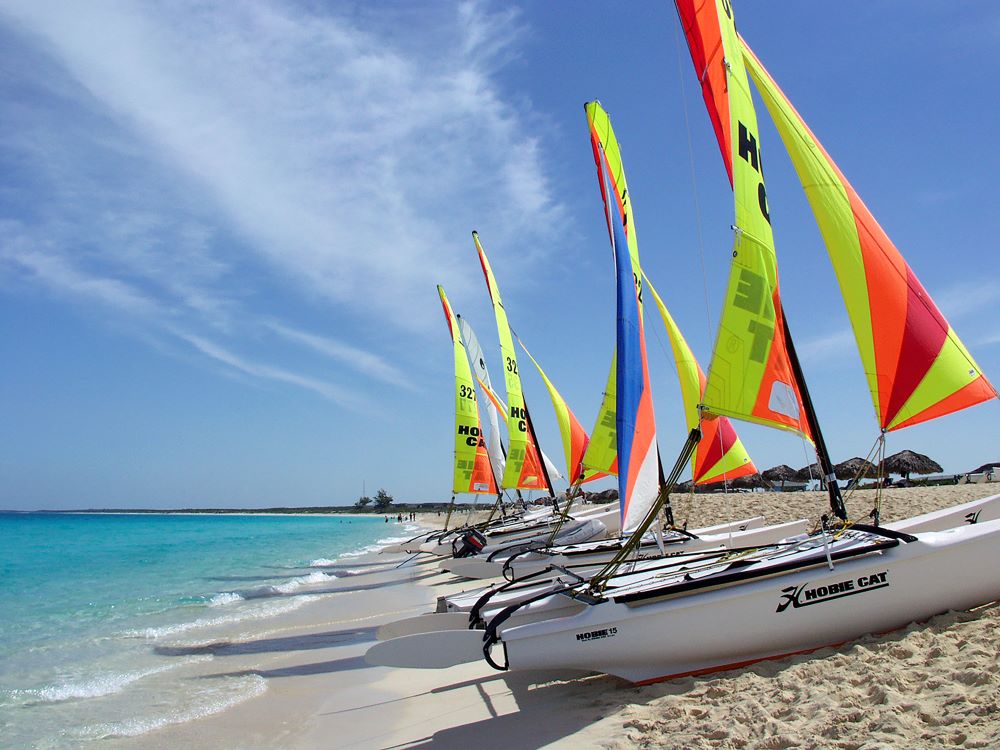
pixel 536 531
pixel 453 611
pixel 797 612
pixel 526 565
pixel 414 545
pixel 481 567
pixel 974 511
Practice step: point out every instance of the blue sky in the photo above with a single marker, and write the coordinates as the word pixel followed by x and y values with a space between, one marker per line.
pixel 221 226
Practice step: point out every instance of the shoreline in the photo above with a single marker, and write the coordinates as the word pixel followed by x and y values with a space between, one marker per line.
pixel 932 682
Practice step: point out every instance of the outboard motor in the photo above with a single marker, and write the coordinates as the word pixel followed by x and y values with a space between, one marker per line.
pixel 469 544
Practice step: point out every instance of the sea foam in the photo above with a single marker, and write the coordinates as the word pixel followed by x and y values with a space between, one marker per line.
pixel 97 686
pixel 231 693
pixel 261 612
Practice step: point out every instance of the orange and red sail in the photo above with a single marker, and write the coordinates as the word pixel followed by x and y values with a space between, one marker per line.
pixel 917 367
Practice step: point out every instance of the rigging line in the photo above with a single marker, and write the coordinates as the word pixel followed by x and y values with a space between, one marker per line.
pixel 694 187
pixel 698 231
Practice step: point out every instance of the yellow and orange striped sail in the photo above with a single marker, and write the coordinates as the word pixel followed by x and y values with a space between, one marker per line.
pixel 473 473
pixel 750 376
pixel 524 468
pixel 574 438
pixel 916 366
pixel 720 453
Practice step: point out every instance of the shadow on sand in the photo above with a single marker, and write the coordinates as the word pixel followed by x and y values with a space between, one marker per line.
pixel 274 645
pixel 345 664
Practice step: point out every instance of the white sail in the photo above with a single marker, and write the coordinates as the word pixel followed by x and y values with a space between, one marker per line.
pixel 479 370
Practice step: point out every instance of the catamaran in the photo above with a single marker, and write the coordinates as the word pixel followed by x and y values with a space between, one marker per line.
pixel 718 455
pixel 542 571
pixel 824 588
pixel 524 467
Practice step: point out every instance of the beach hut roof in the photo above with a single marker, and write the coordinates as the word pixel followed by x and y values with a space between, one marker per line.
pixel 779 473
pixel 812 471
pixel 986 467
pixel 910 462
pixel 855 467
pixel 749 482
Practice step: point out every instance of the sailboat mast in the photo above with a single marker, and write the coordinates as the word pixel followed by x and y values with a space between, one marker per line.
pixel 668 510
pixel 830 477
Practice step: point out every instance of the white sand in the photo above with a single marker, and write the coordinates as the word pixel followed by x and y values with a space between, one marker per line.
pixel 933 684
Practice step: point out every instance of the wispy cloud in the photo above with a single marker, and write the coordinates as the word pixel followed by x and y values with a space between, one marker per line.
pixel 56 271
pixel 352 356
pixel 968 297
pixel 204 162
pixel 329 391
pixel 831 345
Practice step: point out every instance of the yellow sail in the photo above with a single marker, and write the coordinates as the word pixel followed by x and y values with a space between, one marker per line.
pixel 720 453
pixel 750 376
pixel 524 469
pixel 472 470
pixel 602 450
pixel 574 437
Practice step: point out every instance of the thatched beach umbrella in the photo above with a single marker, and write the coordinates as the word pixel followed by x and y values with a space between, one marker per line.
pixel 780 473
pixel 854 468
pixel 812 471
pixel 907 462
pixel 749 482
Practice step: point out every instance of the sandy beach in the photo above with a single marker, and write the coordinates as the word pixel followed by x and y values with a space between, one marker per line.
pixel 932 684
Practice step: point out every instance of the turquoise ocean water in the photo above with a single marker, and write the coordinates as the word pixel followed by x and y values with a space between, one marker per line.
pixel 86 602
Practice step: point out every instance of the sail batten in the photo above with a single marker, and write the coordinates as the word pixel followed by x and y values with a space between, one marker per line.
pixel 916 366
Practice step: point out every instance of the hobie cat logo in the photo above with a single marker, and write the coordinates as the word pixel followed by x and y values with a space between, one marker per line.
pixel 973 517
pixel 803 596
pixel 595 635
